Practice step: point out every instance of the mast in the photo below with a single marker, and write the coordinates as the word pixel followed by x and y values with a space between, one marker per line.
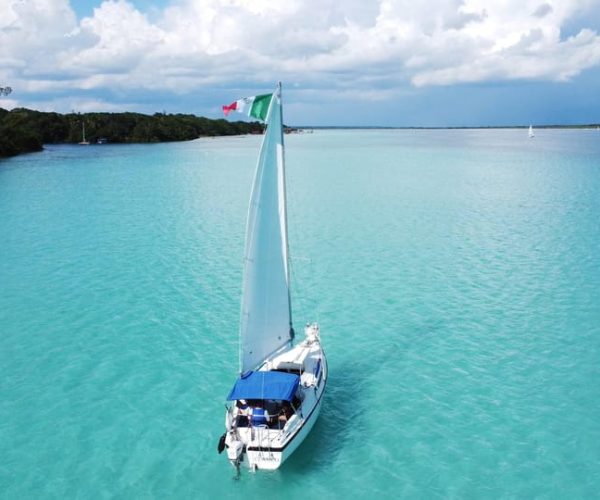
pixel 285 222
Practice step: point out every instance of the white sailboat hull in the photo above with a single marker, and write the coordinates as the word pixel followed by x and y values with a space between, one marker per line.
pixel 267 448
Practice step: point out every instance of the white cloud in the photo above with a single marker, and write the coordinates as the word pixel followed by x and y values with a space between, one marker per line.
pixel 115 40
pixel 344 46
pixel 32 32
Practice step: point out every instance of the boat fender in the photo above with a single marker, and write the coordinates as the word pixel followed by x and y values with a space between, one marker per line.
pixel 221 445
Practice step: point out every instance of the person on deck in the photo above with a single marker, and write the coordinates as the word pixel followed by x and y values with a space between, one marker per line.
pixel 259 415
pixel 243 412
pixel 284 414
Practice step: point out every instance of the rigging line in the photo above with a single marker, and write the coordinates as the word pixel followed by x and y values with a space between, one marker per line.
pixel 298 296
pixel 307 306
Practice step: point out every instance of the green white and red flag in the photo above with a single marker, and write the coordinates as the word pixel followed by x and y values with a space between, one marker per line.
pixel 256 106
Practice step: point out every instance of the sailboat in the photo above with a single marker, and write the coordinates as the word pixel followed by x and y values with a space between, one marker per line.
pixel 277 398
pixel 531 134
pixel 83 141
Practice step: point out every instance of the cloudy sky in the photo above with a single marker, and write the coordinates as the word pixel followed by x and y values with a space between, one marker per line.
pixel 342 62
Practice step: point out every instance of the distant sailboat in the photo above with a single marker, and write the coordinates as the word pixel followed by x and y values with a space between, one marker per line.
pixel 277 398
pixel 531 134
pixel 83 142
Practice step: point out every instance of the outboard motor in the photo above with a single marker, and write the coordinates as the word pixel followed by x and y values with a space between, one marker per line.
pixel 234 451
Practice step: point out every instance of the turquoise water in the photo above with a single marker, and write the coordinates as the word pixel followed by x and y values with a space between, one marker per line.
pixel 455 275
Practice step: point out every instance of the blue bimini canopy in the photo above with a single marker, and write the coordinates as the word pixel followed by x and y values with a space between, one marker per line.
pixel 265 385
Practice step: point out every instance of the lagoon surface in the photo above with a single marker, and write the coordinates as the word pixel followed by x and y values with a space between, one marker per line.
pixel 455 275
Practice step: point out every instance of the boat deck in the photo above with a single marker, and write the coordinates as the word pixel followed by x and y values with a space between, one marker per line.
pixel 305 359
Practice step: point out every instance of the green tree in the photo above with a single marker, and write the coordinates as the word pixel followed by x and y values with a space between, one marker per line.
pixel 23 130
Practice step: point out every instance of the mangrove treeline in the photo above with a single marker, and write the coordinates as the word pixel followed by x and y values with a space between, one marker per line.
pixel 24 130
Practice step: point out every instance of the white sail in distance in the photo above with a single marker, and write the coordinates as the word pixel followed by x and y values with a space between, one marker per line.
pixel 266 310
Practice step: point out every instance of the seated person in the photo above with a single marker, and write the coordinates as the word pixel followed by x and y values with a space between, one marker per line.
pixel 242 412
pixel 259 415
pixel 284 412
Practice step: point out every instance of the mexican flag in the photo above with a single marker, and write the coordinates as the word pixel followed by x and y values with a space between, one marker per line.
pixel 256 106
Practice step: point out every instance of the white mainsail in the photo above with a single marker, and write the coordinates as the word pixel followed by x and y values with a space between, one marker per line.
pixel 531 134
pixel 266 323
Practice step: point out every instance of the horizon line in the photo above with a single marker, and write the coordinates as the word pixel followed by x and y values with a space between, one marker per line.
pixel 443 127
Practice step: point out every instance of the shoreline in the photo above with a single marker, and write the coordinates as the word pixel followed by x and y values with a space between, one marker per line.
pixel 26 131
pixel 31 146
